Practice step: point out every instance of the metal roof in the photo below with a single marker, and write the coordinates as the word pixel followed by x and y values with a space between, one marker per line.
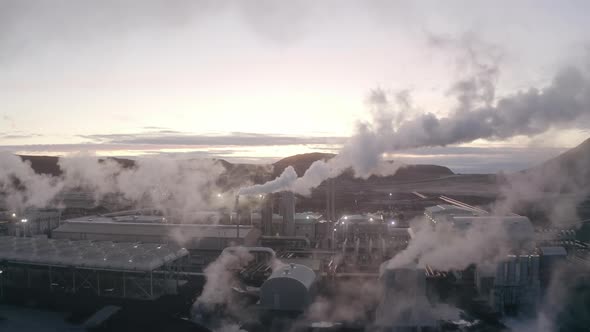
pixel 88 254
pixel 448 209
pixel 121 218
pixel 553 251
pixel 154 229
pixel 307 217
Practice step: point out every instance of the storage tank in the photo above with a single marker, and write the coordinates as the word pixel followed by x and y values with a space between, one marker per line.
pixel 288 288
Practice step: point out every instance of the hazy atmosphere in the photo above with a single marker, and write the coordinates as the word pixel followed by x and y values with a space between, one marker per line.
pixel 294 166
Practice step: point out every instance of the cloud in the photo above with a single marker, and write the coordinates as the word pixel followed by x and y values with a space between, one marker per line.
pixel 27 26
pixel 19 136
pixel 170 137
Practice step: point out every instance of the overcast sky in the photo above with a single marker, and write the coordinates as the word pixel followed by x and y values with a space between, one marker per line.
pixel 259 80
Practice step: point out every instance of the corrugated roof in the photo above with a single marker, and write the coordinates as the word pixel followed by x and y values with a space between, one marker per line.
pixel 553 251
pixel 88 254
pixel 448 209
pixel 151 229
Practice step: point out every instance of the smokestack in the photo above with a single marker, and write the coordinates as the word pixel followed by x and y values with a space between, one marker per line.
pixel 330 200
pixel 266 214
pixel 288 212
pixel 237 209
pixel 333 199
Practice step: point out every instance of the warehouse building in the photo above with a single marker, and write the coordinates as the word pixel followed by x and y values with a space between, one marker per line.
pixel 204 242
pixel 101 268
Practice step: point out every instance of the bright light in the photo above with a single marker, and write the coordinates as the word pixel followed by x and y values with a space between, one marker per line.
pixel 14 215
pixel 307 217
pixel 371 219
pixel 334 229
pixel 24 220
pixel 345 217
pixel 390 194
pixel 219 195
pixel 393 223
pixel 260 196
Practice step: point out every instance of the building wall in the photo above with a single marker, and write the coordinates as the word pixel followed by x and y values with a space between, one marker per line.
pixel 39 222
pixel 516 287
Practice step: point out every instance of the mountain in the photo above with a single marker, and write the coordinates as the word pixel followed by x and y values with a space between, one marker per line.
pixel 43 164
pixel 567 172
pixel 49 164
pixel 302 162
pixel 236 174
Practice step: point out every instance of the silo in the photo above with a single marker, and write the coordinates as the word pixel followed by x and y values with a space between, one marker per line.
pixel 288 289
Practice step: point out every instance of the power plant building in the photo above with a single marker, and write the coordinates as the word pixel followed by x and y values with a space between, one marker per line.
pixel 204 242
pixel 101 268
pixel 404 306
pixel 517 285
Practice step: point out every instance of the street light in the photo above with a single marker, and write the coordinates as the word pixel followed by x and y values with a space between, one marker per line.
pixel 13 215
pixel 24 220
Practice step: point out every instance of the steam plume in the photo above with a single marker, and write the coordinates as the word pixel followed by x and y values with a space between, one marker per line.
pixel 396 125
pixel 22 187
pixel 178 187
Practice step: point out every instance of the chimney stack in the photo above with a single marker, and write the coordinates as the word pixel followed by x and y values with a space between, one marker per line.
pixel 330 200
pixel 288 212
pixel 266 212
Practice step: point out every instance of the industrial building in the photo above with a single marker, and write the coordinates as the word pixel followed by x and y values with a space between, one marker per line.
pixel 204 242
pixel 306 224
pixel 101 268
pixel 518 229
pixel 29 222
pixel 404 306
pixel 513 287
pixel 444 211
pixel 551 259
pixel 367 240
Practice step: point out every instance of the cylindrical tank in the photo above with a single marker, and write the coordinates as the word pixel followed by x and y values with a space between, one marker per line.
pixel 288 288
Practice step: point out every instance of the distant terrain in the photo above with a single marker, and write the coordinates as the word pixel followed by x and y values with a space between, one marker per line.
pixel 567 173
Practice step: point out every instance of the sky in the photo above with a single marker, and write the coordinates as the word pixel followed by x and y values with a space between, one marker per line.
pixel 255 81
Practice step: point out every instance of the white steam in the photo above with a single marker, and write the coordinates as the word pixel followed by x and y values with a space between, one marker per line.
pixel 283 182
pixel 395 125
pixel 217 306
pixel 22 187
pixel 446 248
pixel 178 187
